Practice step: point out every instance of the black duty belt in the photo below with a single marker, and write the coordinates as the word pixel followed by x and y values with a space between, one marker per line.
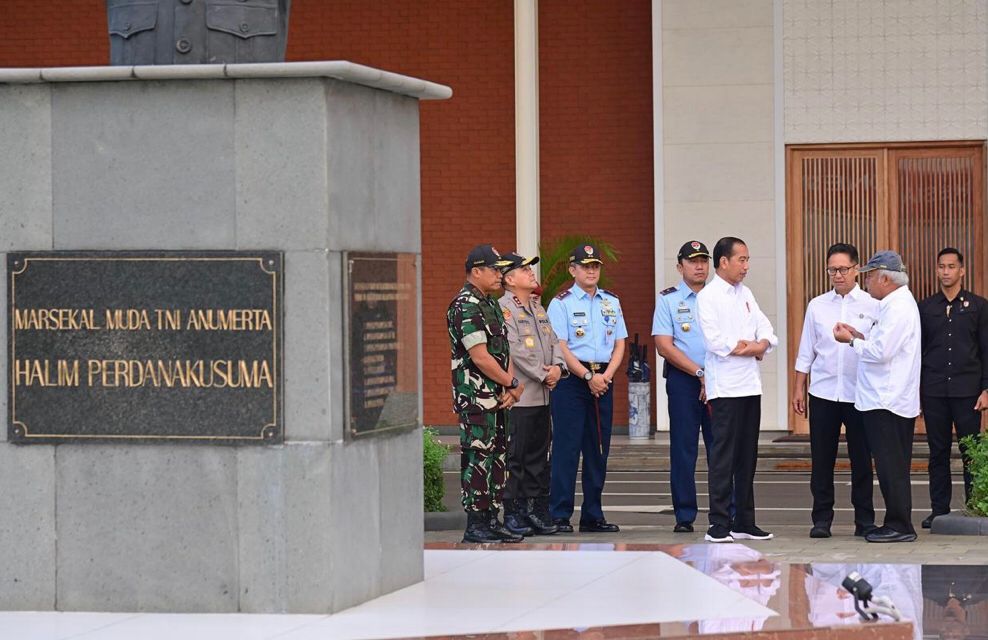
pixel 595 367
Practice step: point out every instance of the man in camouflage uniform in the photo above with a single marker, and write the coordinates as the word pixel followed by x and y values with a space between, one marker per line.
pixel 484 388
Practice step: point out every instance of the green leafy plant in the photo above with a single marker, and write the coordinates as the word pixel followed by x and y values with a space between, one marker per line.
pixel 433 454
pixel 976 448
pixel 554 262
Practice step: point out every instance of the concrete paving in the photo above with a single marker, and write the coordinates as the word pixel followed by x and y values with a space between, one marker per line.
pixel 640 502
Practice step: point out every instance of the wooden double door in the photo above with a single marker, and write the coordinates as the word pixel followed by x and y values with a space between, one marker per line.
pixel 912 198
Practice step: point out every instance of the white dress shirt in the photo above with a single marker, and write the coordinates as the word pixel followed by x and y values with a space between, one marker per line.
pixel 833 368
pixel 728 313
pixel 888 359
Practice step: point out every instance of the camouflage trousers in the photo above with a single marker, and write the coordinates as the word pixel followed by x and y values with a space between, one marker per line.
pixel 483 445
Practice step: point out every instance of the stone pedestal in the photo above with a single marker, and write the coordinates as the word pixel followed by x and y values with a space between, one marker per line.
pixel 312 159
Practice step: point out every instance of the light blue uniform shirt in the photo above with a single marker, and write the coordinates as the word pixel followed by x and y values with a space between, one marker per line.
pixel 675 312
pixel 599 319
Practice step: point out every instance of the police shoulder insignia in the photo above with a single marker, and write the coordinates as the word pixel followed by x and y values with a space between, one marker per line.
pixel 666 292
pixel 563 294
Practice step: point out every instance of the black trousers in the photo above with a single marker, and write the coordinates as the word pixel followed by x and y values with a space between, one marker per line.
pixel 826 418
pixel 942 416
pixel 734 424
pixel 890 438
pixel 529 438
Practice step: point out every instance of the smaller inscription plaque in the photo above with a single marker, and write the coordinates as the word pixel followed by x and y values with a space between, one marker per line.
pixel 381 337
pixel 145 346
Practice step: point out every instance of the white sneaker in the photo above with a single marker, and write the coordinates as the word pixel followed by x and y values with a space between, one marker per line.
pixel 717 533
pixel 751 533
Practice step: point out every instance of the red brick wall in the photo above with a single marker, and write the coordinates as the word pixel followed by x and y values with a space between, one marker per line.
pixel 595 85
pixel 595 120
pixel 468 168
pixel 53 33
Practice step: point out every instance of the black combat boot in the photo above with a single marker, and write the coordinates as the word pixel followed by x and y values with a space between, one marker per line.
pixel 538 516
pixel 479 528
pixel 499 530
pixel 514 518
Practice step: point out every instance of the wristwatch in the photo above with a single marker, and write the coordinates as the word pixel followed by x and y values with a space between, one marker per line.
pixel 699 373
pixel 588 376
pixel 514 384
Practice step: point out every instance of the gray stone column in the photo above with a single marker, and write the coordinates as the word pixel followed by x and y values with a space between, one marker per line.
pixel 309 158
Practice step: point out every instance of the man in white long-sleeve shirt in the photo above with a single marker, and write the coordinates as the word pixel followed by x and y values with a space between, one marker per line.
pixel 833 372
pixel 736 335
pixel 887 393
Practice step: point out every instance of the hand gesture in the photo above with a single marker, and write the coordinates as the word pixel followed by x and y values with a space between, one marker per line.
pixel 598 385
pixel 553 373
pixel 799 402
pixel 982 403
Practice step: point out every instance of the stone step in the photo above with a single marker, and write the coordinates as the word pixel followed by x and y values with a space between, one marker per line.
pixel 792 454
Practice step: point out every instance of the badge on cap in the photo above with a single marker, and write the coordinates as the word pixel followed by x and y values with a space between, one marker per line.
pixel 588 249
pixel 695 245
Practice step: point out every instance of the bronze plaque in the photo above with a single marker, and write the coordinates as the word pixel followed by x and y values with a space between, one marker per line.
pixel 145 346
pixel 381 342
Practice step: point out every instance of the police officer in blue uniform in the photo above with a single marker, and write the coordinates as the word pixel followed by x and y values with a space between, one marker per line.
pixel 678 339
pixel 591 330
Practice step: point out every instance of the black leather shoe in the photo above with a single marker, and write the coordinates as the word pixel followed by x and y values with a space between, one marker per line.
pixel 479 528
pixel 683 527
pixel 537 514
pixel 820 531
pixel 563 525
pixel 885 534
pixel 928 522
pixel 599 526
pixel 862 530
pixel 502 532
pixel 518 525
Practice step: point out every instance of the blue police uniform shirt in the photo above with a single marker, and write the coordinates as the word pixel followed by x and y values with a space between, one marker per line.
pixel 673 312
pixel 599 319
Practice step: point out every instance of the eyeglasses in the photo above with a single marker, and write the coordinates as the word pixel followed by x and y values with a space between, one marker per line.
pixel 833 271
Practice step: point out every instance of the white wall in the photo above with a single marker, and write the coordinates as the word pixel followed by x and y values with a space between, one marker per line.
pixel 884 70
pixel 718 144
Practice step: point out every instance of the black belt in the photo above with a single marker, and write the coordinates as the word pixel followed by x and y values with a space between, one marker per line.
pixel 595 367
